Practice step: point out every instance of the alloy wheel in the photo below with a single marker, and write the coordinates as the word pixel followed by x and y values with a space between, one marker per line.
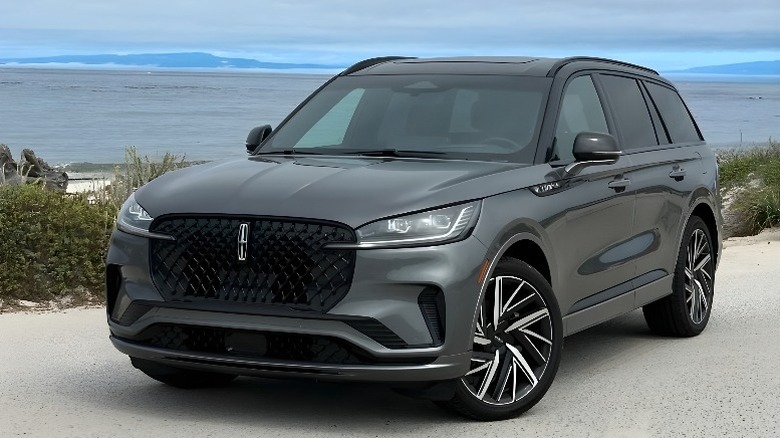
pixel 512 342
pixel 698 277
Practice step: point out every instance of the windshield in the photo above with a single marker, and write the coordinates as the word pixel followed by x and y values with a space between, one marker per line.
pixel 483 117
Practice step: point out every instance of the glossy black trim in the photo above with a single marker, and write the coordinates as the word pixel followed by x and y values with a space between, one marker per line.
pixel 366 325
pixel 133 313
pixel 378 332
pixel 242 309
pixel 212 345
pixel 433 309
pixel 618 290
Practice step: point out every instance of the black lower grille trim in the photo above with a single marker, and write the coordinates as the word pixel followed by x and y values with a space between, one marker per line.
pixel 133 313
pixel 262 345
pixel 432 306
pixel 256 367
pixel 378 332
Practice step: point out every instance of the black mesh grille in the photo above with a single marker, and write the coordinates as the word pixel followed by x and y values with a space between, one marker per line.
pixel 285 262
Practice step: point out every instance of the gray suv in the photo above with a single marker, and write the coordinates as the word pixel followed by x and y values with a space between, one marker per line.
pixel 437 224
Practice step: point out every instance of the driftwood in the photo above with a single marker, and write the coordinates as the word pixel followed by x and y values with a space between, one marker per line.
pixel 31 170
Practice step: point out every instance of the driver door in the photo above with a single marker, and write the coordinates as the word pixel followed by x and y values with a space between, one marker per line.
pixel 587 238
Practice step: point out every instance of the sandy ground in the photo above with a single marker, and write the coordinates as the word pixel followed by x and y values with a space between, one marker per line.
pixel 59 376
pixel 87 182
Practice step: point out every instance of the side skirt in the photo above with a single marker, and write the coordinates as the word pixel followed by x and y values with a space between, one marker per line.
pixel 624 303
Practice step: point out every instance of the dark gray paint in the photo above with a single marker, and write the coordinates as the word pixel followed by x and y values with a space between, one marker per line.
pixel 594 237
pixel 341 189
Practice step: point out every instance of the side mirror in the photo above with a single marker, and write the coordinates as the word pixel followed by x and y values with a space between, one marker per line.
pixel 593 148
pixel 256 136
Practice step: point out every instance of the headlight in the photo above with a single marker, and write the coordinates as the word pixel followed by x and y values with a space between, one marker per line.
pixel 434 226
pixel 133 219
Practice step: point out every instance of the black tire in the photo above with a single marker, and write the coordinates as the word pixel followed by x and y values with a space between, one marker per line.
pixel 687 310
pixel 532 346
pixel 180 377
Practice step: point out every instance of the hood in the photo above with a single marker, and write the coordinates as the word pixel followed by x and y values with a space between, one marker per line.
pixel 350 190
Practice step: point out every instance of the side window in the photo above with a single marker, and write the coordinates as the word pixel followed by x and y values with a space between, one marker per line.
pixel 580 111
pixel 332 127
pixel 676 118
pixel 631 113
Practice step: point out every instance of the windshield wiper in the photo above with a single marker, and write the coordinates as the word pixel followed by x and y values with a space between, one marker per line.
pixel 394 153
pixel 287 152
pixel 367 153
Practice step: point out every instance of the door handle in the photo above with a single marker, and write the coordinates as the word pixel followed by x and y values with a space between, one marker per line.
pixel 678 173
pixel 619 184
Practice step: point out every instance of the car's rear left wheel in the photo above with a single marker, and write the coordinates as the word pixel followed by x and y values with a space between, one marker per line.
pixel 687 310
pixel 516 345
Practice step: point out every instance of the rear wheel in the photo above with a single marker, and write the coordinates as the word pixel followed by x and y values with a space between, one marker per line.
pixel 180 377
pixel 687 310
pixel 516 346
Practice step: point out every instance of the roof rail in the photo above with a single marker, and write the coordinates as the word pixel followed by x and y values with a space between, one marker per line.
pixel 371 61
pixel 561 63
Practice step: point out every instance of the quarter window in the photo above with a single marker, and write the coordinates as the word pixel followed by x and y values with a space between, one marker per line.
pixel 675 115
pixel 630 111
pixel 581 111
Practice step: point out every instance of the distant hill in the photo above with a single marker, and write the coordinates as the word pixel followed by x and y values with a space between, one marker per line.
pixel 744 68
pixel 165 60
pixel 207 60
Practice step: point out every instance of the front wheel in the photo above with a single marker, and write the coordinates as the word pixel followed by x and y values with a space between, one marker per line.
pixel 517 345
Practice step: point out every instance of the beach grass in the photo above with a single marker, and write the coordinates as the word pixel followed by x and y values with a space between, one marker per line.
pixel 53 245
pixel 749 181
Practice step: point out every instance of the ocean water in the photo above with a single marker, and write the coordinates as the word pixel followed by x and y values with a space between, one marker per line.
pixel 71 115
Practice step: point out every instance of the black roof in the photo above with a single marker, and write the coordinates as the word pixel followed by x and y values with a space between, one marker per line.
pixel 500 65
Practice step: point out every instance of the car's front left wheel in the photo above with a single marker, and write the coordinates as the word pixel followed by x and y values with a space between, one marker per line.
pixel 517 344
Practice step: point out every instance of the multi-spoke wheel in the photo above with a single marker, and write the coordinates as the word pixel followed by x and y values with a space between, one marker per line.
pixel 517 344
pixel 686 311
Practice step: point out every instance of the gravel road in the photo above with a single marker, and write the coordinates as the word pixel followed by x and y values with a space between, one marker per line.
pixel 60 376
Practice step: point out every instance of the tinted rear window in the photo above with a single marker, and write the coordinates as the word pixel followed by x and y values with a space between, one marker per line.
pixel 676 117
pixel 631 112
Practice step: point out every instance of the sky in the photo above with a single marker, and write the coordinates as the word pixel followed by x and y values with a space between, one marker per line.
pixel 661 34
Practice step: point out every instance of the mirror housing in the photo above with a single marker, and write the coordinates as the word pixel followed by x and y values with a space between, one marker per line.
pixel 256 136
pixel 593 148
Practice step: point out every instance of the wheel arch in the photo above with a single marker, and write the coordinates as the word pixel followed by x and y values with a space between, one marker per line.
pixel 525 245
pixel 530 252
pixel 703 208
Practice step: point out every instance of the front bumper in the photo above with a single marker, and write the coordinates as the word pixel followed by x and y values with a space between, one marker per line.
pixel 379 321
pixel 443 368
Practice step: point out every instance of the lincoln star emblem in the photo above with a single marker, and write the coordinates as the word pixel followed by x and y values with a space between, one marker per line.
pixel 243 238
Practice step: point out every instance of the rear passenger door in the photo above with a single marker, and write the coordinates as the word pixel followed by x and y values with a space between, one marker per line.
pixel 663 169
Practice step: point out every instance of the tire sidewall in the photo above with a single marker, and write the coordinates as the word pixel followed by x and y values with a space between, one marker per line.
pixel 483 411
pixel 678 285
